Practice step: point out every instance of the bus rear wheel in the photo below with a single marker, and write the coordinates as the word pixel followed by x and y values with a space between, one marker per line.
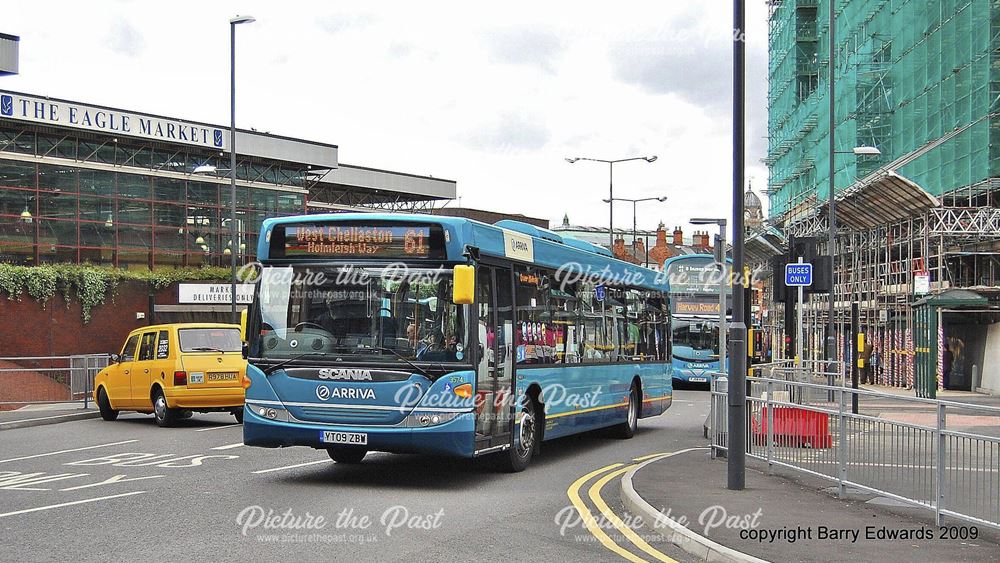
pixel 626 429
pixel 525 439
pixel 347 454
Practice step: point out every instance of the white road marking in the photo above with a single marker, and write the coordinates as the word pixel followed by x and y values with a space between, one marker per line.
pixel 217 427
pixel 84 501
pixel 68 451
pixel 294 466
pixel 229 446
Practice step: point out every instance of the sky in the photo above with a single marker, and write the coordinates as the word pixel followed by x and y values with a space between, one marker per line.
pixel 494 96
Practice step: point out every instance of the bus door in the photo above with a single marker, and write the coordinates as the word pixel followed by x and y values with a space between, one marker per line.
pixel 495 373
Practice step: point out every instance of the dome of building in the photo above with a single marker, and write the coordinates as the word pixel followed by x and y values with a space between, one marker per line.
pixel 751 201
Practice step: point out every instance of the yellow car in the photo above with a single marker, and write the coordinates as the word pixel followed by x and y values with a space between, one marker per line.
pixel 173 369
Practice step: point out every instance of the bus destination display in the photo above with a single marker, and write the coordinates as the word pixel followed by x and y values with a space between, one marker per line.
pixel 340 240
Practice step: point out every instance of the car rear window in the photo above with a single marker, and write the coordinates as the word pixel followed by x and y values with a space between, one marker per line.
pixel 209 339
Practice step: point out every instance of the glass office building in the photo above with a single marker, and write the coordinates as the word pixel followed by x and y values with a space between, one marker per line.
pixel 89 184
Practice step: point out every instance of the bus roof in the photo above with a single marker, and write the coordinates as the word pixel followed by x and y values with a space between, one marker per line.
pixel 507 239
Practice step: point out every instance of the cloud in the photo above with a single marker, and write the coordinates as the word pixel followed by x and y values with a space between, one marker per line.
pixel 510 132
pixel 336 23
pixel 399 49
pixel 126 40
pixel 695 70
pixel 524 46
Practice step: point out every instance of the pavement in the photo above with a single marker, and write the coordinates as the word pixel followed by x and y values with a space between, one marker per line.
pixel 50 413
pixel 785 517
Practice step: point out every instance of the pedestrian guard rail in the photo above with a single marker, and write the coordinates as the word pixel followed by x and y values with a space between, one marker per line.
pixel 26 380
pixel 942 456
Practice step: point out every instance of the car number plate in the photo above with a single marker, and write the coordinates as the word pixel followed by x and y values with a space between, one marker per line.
pixel 354 438
pixel 697 379
pixel 222 376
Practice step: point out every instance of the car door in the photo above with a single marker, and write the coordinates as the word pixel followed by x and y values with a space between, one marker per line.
pixel 142 371
pixel 120 377
pixel 162 365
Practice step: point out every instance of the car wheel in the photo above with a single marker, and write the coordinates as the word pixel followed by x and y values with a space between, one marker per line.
pixel 238 413
pixel 525 438
pixel 626 429
pixel 347 454
pixel 165 416
pixel 107 413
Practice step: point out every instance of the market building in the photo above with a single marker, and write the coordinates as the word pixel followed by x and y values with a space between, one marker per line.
pixel 85 183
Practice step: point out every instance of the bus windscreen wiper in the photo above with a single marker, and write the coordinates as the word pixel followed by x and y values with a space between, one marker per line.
pixel 205 349
pixel 275 367
pixel 422 371
pixel 408 362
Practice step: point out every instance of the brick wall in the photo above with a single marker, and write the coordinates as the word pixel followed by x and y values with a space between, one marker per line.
pixel 21 384
pixel 58 330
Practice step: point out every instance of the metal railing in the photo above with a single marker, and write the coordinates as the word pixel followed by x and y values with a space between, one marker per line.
pixel 26 380
pixel 905 448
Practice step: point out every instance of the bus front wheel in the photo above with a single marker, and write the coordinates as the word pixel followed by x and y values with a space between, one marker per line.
pixel 347 454
pixel 525 439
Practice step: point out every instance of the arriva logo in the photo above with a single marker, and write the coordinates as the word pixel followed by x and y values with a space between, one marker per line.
pixel 324 393
pixel 352 374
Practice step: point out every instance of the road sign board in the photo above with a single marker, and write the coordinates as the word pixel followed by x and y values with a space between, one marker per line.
pixel 798 275
pixel 600 292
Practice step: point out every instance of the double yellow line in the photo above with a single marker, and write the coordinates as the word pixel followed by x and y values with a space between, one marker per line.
pixel 610 472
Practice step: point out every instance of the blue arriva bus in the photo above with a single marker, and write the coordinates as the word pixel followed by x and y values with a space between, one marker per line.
pixel 429 334
pixel 694 305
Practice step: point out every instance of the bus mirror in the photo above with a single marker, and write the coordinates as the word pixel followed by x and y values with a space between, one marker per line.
pixel 464 285
pixel 243 325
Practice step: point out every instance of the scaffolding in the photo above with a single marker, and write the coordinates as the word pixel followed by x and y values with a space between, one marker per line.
pixel 921 82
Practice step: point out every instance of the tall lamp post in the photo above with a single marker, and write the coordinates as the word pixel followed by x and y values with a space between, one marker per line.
pixel 720 249
pixel 611 187
pixel 831 340
pixel 232 157
pixel 634 202
pixel 736 394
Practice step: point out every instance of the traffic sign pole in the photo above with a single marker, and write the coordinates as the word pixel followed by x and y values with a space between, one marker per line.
pixel 798 275
pixel 798 327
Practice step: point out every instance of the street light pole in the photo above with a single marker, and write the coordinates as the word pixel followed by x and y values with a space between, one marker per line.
pixel 633 224
pixel 611 206
pixel 635 231
pixel 736 454
pixel 611 188
pixel 831 342
pixel 720 254
pixel 233 231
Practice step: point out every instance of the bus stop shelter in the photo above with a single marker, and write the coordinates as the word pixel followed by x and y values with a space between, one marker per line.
pixel 929 333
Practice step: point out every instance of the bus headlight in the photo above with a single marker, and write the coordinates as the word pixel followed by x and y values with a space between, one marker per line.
pixel 270 413
pixel 426 419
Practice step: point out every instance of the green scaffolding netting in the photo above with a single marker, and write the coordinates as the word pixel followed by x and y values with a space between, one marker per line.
pixel 907 74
